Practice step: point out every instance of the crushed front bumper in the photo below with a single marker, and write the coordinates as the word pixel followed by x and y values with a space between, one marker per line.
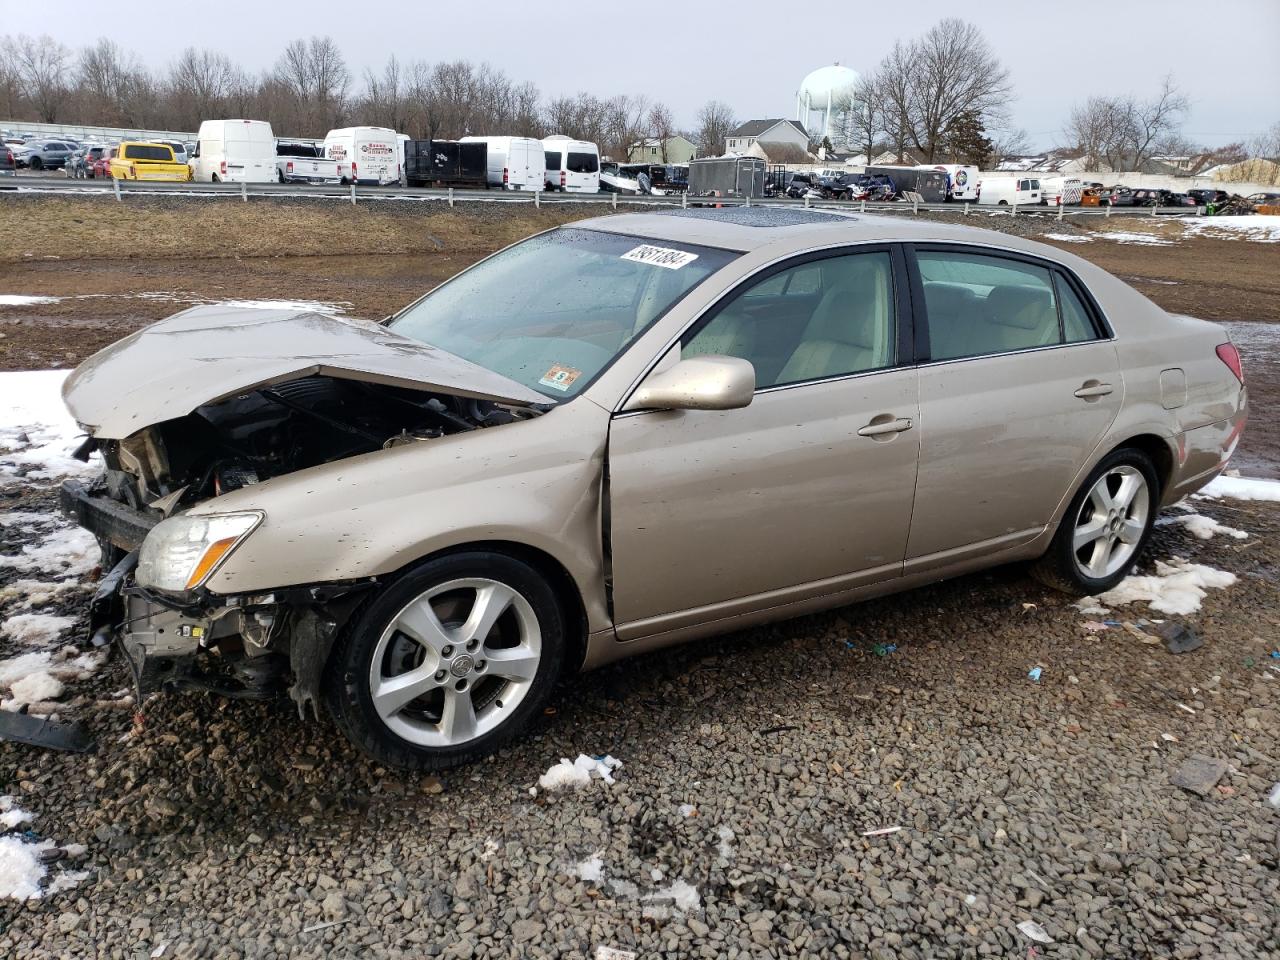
pixel 108 520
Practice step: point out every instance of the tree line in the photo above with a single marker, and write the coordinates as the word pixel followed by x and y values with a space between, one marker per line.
pixel 311 89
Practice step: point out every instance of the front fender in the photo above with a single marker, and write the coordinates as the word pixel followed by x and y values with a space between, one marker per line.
pixel 533 482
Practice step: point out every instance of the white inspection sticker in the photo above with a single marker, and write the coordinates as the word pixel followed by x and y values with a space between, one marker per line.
pixel 660 256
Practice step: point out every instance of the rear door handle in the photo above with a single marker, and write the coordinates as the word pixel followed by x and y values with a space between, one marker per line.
pixel 882 427
pixel 1093 389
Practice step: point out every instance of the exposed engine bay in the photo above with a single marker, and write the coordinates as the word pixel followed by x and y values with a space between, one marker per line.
pixel 276 430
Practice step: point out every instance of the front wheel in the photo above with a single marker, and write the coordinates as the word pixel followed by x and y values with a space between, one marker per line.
pixel 1105 528
pixel 36 163
pixel 449 663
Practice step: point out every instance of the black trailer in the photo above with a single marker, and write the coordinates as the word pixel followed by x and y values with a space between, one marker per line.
pixel 727 177
pixel 446 163
pixel 930 184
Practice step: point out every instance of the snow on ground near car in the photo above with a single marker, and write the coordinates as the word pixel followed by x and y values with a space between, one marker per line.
pixel 21 300
pixel 1068 237
pixel 1177 588
pixel 35 629
pixel 1144 239
pixel 37 433
pixel 173 296
pixel 22 860
pixel 1260 229
pixel 1242 488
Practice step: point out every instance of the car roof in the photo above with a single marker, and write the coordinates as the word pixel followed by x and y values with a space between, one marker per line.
pixel 745 229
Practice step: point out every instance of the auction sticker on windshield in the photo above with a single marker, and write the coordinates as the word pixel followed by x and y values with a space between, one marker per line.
pixel 560 377
pixel 660 256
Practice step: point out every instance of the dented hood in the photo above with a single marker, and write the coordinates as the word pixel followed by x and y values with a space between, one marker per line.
pixel 210 353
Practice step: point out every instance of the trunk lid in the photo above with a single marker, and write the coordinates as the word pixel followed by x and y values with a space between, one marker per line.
pixel 210 353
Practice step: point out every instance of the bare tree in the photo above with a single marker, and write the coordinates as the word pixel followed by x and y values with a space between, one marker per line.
pixel 715 122
pixel 200 87
pixel 1155 119
pixel 896 86
pixel 385 103
pixel 662 127
pixel 1123 132
pixel 42 68
pixel 315 78
pixel 862 115
pixel 954 72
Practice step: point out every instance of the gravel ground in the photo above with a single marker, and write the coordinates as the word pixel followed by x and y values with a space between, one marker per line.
pixel 232 829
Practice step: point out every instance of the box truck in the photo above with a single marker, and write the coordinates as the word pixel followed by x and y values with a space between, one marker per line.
pixel 446 163
pixel 962 179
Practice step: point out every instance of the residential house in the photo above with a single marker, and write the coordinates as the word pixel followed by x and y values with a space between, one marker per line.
pixel 763 134
pixel 677 150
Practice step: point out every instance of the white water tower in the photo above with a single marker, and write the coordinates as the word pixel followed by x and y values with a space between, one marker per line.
pixel 820 92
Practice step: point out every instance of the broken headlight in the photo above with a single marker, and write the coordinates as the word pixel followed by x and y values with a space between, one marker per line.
pixel 181 552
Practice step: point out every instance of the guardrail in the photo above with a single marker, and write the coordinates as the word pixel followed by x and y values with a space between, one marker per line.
pixel 354 194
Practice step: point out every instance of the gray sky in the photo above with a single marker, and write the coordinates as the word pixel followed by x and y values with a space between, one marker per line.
pixel 1223 53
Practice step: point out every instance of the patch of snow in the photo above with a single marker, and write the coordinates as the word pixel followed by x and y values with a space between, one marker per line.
pixel 1242 488
pixel 578 773
pixel 35 628
pixel 66 880
pixel 1260 229
pixel 14 669
pixel 33 593
pixel 69 552
pixel 1203 528
pixel 24 300
pixel 12 815
pixel 1144 239
pixel 1068 238
pixel 70 664
pixel 1090 607
pixel 1177 588
pixel 590 869
pixel 33 688
pixel 683 896
pixel 20 868
pixel 725 846
pixel 687 810
pixel 38 434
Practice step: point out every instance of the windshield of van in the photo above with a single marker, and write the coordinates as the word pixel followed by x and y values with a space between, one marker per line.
pixel 554 311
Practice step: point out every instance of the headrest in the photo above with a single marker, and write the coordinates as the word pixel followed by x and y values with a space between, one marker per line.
pixel 1024 307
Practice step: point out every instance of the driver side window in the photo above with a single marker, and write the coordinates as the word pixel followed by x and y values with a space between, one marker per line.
pixel 819 319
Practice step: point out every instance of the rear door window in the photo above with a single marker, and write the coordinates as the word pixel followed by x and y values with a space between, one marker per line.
pixel 553 159
pixel 583 163
pixel 980 305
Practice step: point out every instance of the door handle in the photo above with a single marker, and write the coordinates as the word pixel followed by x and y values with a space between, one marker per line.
pixel 883 427
pixel 1093 389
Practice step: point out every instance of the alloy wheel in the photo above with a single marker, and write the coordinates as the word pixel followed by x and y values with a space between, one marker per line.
pixel 453 664
pixel 1111 522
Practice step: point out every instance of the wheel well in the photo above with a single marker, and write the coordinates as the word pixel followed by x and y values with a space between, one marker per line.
pixel 557 577
pixel 1158 450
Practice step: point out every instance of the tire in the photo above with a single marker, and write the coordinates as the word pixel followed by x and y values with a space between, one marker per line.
pixel 1110 542
pixel 1003 203
pixel 36 163
pixel 454 664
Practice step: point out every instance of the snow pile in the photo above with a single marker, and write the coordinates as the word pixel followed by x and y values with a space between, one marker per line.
pixel 578 773
pixel 1260 229
pixel 33 688
pixel 22 868
pixel 1203 528
pixel 1242 488
pixel 68 552
pixel 1068 238
pixel 35 628
pixel 38 433
pixel 1177 588
pixel 24 300
pixel 590 869
pixel 38 677
pixel 683 896
pixel 34 593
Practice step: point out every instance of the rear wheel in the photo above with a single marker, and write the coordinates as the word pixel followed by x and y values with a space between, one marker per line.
pixel 36 163
pixel 1105 528
pixel 449 663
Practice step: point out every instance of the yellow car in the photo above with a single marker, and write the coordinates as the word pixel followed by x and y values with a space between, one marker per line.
pixel 147 161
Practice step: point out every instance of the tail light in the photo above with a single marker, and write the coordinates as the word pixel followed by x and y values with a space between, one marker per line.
pixel 288 167
pixel 563 179
pixel 223 167
pixel 1229 355
pixel 506 176
pixel 353 169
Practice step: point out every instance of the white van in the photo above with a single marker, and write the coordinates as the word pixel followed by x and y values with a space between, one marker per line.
pixel 1009 191
pixel 1061 191
pixel 367 155
pixel 234 151
pixel 962 179
pixel 573 166
pixel 515 163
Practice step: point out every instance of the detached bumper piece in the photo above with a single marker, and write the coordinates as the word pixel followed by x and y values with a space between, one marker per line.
pixel 110 520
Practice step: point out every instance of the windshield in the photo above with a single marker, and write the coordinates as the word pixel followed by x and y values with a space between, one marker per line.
pixel 554 311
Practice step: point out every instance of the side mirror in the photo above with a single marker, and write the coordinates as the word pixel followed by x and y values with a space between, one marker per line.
pixel 699 383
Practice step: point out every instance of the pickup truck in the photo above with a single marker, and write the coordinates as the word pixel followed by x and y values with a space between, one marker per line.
pixel 304 163
pixel 147 161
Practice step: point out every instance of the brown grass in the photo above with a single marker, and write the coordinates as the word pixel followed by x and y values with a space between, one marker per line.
pixel 44 227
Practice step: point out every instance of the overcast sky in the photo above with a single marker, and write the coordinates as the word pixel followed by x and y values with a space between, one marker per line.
pixel 751 54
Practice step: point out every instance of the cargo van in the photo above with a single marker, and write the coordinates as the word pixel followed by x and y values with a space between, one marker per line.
pixel 962 179
pixel 515 163
pixel 234 151
pixel 365 155
pixel 573 166
pixel 1009 191
pixel 1061 191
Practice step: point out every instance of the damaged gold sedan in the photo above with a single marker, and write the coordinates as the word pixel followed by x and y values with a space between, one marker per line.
pixel 617 435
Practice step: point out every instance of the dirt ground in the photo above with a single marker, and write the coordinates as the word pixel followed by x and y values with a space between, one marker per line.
pixel 122 266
